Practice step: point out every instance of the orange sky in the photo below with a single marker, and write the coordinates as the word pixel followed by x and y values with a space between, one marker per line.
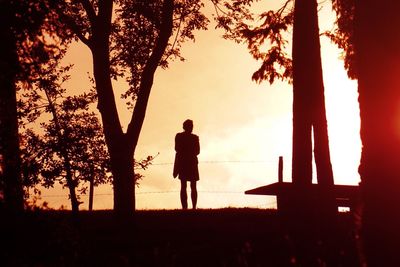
pixel 243 127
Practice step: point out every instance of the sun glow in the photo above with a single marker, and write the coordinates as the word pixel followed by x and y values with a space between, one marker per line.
pixel 342 110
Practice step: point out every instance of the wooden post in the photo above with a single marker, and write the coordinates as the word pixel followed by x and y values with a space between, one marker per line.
pixel 91 192
pixel 281 195
pixel 280 170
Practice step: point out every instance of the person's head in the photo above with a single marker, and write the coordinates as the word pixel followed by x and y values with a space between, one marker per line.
pixel 188 126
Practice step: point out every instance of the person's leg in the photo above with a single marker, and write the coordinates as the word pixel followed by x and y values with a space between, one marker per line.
pixel 183 194
pixel 193 193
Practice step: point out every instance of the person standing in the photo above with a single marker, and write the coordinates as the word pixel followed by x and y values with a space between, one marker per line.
pixel 187 147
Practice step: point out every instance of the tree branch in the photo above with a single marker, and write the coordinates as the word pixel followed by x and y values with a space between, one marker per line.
pixel 89 11
pixel 283 7
pixel 70 23
pixel 176 36
pixel 147 78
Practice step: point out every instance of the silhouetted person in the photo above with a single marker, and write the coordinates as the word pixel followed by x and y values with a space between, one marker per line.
pixel 187 148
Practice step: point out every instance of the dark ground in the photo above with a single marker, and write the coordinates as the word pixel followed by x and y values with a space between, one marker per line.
pixel 221 237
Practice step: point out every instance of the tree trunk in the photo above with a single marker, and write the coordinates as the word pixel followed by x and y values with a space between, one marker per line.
pixel 314 212
pixel 91 193
pixel 70 182
pixel 9 141
pixel 121 147
pixel 124 183
pixel 326 209
pixel 377 44
pixel 308 99
pixel 121 153
pixel 302 94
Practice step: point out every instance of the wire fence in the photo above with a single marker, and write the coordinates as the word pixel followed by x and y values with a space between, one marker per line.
pixel 221 162
pixel 151 192
pixel 214 198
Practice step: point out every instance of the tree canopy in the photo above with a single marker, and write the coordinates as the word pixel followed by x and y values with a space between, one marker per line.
pixel 69 146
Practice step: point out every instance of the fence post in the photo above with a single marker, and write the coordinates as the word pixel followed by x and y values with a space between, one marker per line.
pixel 280 170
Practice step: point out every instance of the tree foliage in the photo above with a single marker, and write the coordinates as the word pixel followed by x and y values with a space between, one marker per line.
pixel 136 31
pixel 67 124
pixel 39 36
pixel 69 147
pixel 343 34
pixel 264 35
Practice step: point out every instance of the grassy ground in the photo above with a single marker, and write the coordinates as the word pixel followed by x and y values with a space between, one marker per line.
pixel 222 237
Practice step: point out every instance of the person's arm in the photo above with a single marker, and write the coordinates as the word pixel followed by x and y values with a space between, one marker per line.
pixel 177 143
pixel 197 146
pixel 176 161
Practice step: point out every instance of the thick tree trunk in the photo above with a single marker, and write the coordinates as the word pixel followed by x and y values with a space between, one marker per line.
pixel 377 40
pixel 121 153
pixel 308 99
pixel 124 183
pixel 314 212
pixel 302 104
pixel 326 209
pixel 9 142
pixel 302 115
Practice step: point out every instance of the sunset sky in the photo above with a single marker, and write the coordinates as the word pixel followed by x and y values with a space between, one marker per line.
pixel 243 126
